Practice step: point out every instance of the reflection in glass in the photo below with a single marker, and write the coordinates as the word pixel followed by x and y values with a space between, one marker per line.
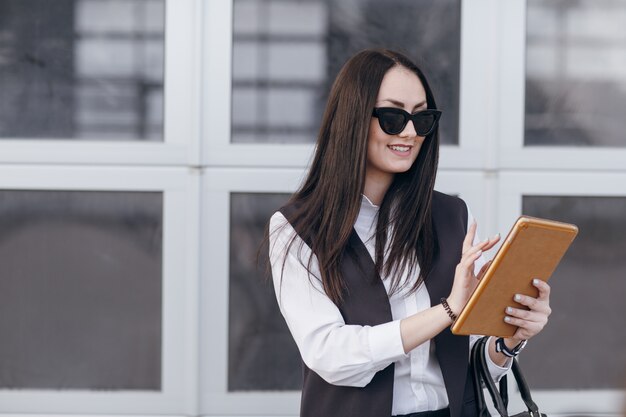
pixel 82 69
pixel 80 294
pixel 261 352
pixel 586 329
pixel 287 53
pixel 576 73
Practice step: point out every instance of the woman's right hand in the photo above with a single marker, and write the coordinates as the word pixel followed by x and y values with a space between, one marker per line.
pixel 464 279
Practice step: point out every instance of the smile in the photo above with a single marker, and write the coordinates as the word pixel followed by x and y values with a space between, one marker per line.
pixel 400 148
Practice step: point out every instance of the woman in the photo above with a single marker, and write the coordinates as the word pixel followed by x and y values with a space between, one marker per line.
pixel 371 265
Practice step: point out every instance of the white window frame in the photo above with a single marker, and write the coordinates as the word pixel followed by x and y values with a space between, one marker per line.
pixel 181 142
pixel 179 377
pixel 218 184
pixel 475 187
pixel 217 93
pixel 512 187
pixel 512 81
pixel 477 102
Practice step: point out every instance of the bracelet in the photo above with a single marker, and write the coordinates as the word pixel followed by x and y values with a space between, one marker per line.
pixel 446 306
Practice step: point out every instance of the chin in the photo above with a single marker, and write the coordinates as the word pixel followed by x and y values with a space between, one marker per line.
pixel 400 170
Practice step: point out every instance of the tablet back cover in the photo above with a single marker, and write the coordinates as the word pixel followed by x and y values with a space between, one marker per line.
pixel 533 249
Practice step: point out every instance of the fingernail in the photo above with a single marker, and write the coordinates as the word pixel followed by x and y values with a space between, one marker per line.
pixel 518 297
pixel 496 236
pixel 535 281
pixel 507 319
pixel 509 310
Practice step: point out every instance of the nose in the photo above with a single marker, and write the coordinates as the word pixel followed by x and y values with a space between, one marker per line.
pixel 408 131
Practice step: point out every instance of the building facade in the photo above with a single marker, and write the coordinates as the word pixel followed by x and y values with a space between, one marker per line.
pixel 144 145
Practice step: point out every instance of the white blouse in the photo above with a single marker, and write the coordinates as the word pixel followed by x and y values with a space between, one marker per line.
pixel 352 354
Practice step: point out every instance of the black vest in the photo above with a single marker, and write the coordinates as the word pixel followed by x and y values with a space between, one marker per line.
pixel 366 303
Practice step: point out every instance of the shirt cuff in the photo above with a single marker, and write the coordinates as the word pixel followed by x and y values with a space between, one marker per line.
pixel 496 371
pixel 386 342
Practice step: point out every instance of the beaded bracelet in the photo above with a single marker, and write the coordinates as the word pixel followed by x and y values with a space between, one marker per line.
pixel 446 306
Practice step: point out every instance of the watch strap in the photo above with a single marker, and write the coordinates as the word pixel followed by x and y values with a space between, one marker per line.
pixel 501 347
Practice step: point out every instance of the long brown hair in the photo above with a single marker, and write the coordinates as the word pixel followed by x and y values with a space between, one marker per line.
pixel 329 200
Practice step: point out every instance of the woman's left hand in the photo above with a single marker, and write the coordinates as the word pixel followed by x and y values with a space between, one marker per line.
pixel 530 322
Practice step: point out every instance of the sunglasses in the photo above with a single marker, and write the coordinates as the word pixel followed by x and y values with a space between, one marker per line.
pixel 393 120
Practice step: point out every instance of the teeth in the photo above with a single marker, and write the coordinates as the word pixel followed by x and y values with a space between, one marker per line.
pixel 400 148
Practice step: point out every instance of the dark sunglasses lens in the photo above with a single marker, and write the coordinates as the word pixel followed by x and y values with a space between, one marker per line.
pixel 424 123
pixel 392 123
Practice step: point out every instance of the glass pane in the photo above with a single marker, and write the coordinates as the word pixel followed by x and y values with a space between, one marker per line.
pixel 585 335
pixel 286 55
pixel 80 294
pixel 261 352
pixel 576 73
pixel 82 69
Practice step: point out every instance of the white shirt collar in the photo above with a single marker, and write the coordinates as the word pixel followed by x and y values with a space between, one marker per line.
pixel 365 222
pixel 365 202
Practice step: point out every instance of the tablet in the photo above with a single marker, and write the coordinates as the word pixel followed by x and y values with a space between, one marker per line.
pixel 532 249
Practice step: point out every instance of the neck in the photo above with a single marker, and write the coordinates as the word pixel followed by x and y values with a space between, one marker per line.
pixel 376 187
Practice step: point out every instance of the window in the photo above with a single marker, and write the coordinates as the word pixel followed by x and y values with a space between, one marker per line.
pixel 575 78
pixel 83 69
pixel 262 355
pixel 286 55
pixel 587 289
pixel 99 264
pixel 81 290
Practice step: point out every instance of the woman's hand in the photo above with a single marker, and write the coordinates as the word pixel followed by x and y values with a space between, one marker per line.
pixel 464 279
pixel 530 322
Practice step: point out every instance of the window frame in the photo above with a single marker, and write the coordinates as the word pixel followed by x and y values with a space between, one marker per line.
pixel 477 94
pixel 218 184
pixel 179 313
pixel 512 187
pixel 511 87
pixel 181 141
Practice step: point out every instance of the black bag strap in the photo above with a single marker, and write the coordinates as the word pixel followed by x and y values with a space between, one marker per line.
pixel 483 411
pixel 488 381
pixel 523 389
pixel 504 391
pixel 480 375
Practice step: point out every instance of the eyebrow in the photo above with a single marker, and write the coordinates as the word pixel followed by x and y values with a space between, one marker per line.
pixel 401 104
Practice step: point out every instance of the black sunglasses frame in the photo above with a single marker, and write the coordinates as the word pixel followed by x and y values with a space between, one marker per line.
pixel 379 113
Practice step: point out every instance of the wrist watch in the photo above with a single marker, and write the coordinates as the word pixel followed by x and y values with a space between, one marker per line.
pixel 501 347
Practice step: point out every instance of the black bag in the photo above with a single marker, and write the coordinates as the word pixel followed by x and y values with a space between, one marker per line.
pixel 480 375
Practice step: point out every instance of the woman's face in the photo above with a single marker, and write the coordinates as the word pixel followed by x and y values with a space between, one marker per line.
pixel 391 154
